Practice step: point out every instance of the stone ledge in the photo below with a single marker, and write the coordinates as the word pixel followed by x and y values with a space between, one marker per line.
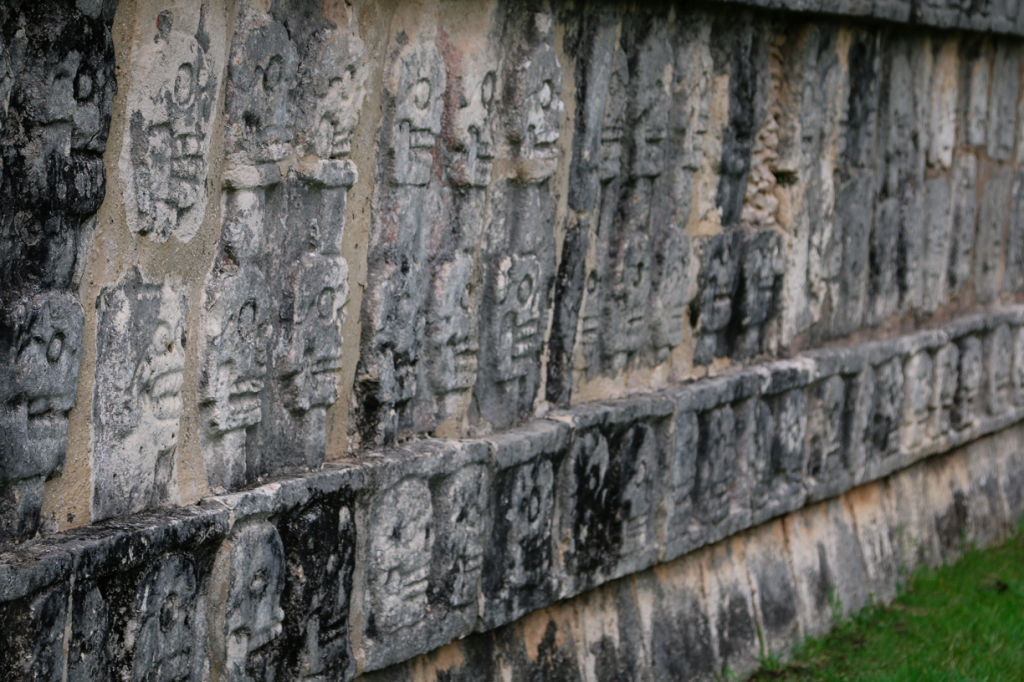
pixel 367 564
pixel 993 16
pixel 757 593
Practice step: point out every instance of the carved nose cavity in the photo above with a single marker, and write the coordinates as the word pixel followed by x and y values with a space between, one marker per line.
pixel 55 348
pixel 421 93
pixel 183 85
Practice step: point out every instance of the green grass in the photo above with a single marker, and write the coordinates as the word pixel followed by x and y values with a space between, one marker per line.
pixel 958 623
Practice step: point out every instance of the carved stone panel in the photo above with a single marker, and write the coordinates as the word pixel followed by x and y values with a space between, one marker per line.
pixel 319 552
pixel 611 487
pixel 137 395
pixel 779 457
pixel 32 636
pixel 254 568
pixel 998 367
pixel 273 306
pixel 56 90
pixel 967 406
pixel 518 250
pixel 919 376
pixel 946 365
pixel 886 408
pixel 172 98
pixel 519 565
pixel 423 549
pixel 827 458
pixel 165 629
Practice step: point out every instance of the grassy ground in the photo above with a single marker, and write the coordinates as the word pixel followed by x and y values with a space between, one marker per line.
pixel 958 623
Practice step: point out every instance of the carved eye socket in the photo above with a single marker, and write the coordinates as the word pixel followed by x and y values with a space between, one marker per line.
pixel 183 85
pixel 592 283
pixel 525 289
pixel 259 583
pixel 487 89
pixel 83 86
pixel 325 303
pixel 421 93
pixel 533 511
pixel 272 76
pixel 247 320
pixel 168 611
pixel 55 348
pixel 638 275
pixel 545 95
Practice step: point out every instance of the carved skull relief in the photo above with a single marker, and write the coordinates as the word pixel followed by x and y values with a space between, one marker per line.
pixel 399 563
pixel 451 334
pixel 170 113
pixel 419 77
pixel 166 640
pixel 517 315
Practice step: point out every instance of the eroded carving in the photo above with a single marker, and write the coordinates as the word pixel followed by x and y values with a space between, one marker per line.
pixel 137 394
pixel 253 613
pixel 166 645
pixel 171 107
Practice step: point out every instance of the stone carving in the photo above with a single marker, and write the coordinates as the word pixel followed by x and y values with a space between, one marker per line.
pixel 826 404
pixel 946 364
pixel 457 555
pixel 38 384
pixel 137 395
pixel 399 558
pixel 33 635
pixel 518 252
pixel 398 279
pixel 1017 368
pixel 968 390
pixel 319 551
pixel 171 106
pixel 517 570
pixel 715 467
pixel 253 614
pixel 886 409
pixel 165 618
pixel 779 487
pixel 613 482
pixel 919 377
pixel 273 304
pixel 965 212
pixel 998 367
pixel 56 90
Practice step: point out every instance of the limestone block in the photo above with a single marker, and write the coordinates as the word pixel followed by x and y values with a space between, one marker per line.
pixel 137 395
pixel 828 450
pixel 938 226
pixel 1013 270
pixel 918 397
pixel 38 384
pixel 986 510
pixel 998 365
pixel 946 486
pixel 730 606
pixel 1017 367
pixel 1002 104
pixel 773 589
pixel 33 636
pixel 166 623
pixel 610 490
pixel 1011 479
pixel 719 277
pixel 965 212
pixel 252 568
pixel 993 218
pixel 945 93
pixel 422 551
pixel 172 96
pixel 882 430
pixel 518 251
pixel 740 48
pixel 831 580
pixel 871 513
pixel 519 572
pixel 976 88
pixel 946 366
pixel 678 620
pixel 778 458
pixel 966 408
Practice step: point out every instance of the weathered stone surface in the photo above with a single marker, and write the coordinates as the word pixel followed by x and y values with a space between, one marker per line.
pixel 422 553
pixel 137 395
pixel 519 564
pixel 56 91
pixel 518 244
pixel 610 490
pixel 773 588
pixel 164 163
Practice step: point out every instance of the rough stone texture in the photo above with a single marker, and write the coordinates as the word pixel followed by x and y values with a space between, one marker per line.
pixel 580 239
pixel 56 91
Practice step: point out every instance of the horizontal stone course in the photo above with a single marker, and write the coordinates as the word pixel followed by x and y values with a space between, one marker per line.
pixel 368 564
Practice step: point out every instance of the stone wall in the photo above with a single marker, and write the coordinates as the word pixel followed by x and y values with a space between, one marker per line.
pixel 331 333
